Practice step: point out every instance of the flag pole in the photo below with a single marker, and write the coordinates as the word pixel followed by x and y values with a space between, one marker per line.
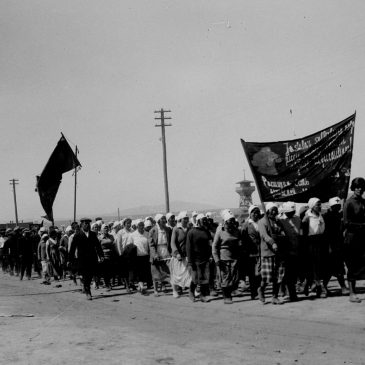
pixel 257 185
pixel 76 151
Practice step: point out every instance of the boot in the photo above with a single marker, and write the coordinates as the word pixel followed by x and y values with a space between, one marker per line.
pixel 344 290
pixel 227 296
pixel 292 293
pixel 276 301
pixel 203 298
pixel 213 292
pixel 261 294
pixel 353 297
pixel 204 290
pixel 323 291
pixel 192 292
pixel 175 291
pixel 155 289
pixel 341 281
pixel 88 294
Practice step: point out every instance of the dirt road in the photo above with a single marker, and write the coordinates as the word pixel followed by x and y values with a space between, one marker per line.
pixel 117 328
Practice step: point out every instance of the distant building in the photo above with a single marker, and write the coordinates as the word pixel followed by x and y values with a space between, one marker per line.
pixel 245 190
pixel 29 225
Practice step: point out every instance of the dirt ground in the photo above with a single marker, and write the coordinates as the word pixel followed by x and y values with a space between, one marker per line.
pixel 120 328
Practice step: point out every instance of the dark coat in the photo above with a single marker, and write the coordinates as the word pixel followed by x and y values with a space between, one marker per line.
pixel 88 251
pixel 251 240
pixel 26 247
pixel 354 223
pixel 198 245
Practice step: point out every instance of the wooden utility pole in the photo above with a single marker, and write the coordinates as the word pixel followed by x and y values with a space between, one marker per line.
pixel 162 118
pixel 76 152
pixel 15 182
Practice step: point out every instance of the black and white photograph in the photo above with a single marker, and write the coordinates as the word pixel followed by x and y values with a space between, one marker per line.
pixel 182 182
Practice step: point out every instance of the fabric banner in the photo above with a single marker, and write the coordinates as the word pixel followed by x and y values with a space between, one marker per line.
pixel 62 159
pixel 318 165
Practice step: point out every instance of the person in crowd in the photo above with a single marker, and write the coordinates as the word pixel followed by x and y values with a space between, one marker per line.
pixel 12 249
pixel 99 222
pixel 199 252
pixel 139 239
pixel 63 249
pixel 272 268
pixel 212 226
pixel 72 266
pixel 25 254
pixel 226 250
pixel 214 282
pixel 42 257
pixel 95 227
pixel 53 255
pixel 193 221
pixel 159 239
pixel 42 231
pixel 147 225
pixel 89 253
pixel 313 229
pixel 116 228
pixel 126 254
pixel 354 225
pixel 171 220
pixel 292 228
pixel 333 234
pixel 107 266
pixel 35 238
pixel 252 249
pixel 3 248
pixel 180 275
pixel 304 267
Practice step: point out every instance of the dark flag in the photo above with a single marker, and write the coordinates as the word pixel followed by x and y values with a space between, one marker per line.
pixel 318 165
pixel 62 160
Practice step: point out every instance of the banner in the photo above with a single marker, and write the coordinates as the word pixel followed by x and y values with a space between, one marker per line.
pixel 318 165
pixel 62 160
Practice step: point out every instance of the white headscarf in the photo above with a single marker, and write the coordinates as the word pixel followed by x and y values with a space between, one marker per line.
pixel 251 208
pixel 182 215
pixel 159 216
pixel 227 215
pixel 270 205
pixel 334 201
pixel 312 202
pixel 288 207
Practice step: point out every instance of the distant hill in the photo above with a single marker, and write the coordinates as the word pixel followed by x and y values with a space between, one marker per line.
pixel 145 210
pixel 175 206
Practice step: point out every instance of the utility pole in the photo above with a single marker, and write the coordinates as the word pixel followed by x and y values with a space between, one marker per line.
pixel 76 151
pixel 162 118
pixel 15 182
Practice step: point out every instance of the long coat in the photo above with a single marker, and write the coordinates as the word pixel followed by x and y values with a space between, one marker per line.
pixel 153 240
pixel 88 251
pixel 354 223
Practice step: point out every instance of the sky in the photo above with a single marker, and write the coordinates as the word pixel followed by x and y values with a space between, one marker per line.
pixel 97 70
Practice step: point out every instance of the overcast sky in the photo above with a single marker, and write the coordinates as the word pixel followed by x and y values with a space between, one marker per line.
pixel 97 71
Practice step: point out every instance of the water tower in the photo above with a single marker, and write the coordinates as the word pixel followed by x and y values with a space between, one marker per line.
pixel 245 190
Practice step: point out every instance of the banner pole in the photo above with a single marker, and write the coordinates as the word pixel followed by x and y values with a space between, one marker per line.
pixel 75 187
pixel 257 185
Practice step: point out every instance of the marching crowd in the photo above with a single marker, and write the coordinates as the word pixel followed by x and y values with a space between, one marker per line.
pixel 296 251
